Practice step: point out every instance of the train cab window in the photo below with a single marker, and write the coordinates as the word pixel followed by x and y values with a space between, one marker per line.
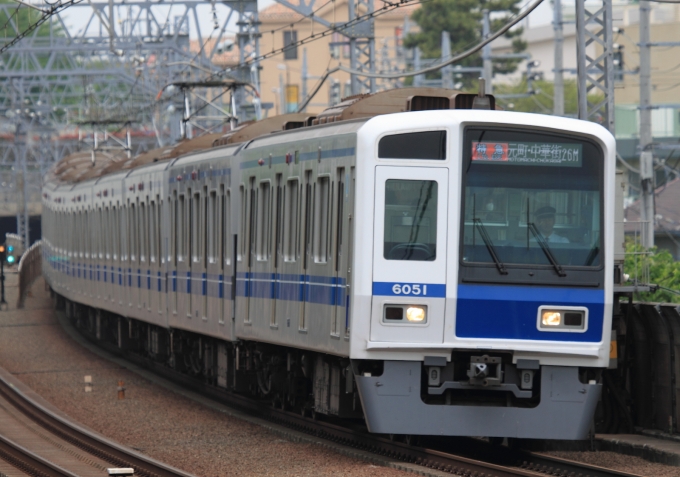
pixel 410 220
pixel 531 200
pixel 429 145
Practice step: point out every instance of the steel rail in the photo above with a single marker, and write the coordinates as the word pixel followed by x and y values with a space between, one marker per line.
pixel 505 462
pixel 92 443
pixel 28 461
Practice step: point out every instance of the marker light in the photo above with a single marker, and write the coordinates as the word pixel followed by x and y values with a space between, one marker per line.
pixel 551 318
pixel 415 314
pixel 2 248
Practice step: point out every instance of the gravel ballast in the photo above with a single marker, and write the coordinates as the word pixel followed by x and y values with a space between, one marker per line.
pixel 174 429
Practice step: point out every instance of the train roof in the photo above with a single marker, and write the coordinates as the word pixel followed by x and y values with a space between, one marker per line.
pixel 87 165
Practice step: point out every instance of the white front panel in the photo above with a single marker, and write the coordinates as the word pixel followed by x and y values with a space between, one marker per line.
pixel 409 251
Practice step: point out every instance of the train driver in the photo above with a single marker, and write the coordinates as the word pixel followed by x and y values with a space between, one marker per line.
pixel 545 222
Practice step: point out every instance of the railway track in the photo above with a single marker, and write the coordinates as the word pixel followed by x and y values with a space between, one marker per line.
pixel 479 459
pixel 59 428
pixel 29 462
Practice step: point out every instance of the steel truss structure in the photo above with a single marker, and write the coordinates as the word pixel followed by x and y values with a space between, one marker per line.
pixel 59 84
pixel 360 36
pixel 595 72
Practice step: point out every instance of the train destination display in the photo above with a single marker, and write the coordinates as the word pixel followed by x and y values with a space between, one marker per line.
pixel 528 153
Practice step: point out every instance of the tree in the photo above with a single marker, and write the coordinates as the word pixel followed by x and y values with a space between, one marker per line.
pixel 463 20
pixel 663 271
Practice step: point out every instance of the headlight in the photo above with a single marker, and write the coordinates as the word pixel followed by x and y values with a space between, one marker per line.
pixel 415 314
pixel 570 319
pixel 404 314
pixel 551 318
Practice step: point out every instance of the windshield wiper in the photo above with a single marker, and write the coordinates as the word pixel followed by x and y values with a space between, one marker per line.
pixel 546 250
pixel 490 246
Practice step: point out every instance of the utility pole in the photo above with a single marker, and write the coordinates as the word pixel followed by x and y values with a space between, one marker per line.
pixel 646 157
pixel 486 54
pixel 558 93
pixel 304 75
pixel 447 71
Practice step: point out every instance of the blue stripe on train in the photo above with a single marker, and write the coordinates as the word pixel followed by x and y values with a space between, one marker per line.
pixel 511 312
pixel 290 287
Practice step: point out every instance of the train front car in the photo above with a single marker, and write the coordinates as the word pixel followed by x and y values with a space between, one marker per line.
pixel 483 273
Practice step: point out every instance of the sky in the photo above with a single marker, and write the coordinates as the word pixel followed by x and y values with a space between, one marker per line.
pixel 76 18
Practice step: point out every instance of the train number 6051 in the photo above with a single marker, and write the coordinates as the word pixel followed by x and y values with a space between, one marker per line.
pixel 409 289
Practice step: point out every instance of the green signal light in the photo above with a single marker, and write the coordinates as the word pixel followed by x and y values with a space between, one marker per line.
pixel 10 248
pixel 10 259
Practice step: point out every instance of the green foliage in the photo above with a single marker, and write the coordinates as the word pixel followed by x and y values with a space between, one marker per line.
pixel 15 21
pixel 663 271
pixel 463 20
pixel 542 101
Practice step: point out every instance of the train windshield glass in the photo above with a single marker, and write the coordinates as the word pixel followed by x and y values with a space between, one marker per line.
pixel 531 199
pixel 410 220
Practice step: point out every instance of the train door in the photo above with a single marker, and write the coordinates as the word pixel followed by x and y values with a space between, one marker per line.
pixel 225 255
pixel 250 248
pixel 277 249
pixel 307 236
pixel 340 276
pixel 409 254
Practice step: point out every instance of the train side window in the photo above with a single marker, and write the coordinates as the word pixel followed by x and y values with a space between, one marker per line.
pixel 242 235
pixel 322 219
pixel 159 235
pixel 196 229
pixel 290 227
pixel 204 229
pixel 100 231
pixel 114 232
pixel 410 220
pixel 174 226
pixel 213 227
pixel 153 230
pixel 124 233
pixel 226 227
pixel 143 227
pixel 278 231
pixel 419 145
pixel 182 228
pixel 264 221
pixel 106 231
pixel 340 211
pixel 133 232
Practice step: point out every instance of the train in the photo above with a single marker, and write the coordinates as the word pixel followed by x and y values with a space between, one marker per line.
pixel 416 258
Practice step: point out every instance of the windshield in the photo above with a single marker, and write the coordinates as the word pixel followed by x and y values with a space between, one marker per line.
pixel 531 199
pixel 410 220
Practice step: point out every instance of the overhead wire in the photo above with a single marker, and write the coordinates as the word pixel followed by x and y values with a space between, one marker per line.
pixel 316 36
pixel 54 9
pixel 468 52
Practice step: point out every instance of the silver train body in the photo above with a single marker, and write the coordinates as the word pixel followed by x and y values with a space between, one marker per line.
pixel 396 262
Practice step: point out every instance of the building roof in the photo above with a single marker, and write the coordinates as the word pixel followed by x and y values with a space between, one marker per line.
pixel 280 13
pixel 667 207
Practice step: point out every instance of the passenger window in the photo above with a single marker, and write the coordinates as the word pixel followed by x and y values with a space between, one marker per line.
pixel 322 221
pixel 264 219
pixel 290 233
pixel 410 220
pixel 420 145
